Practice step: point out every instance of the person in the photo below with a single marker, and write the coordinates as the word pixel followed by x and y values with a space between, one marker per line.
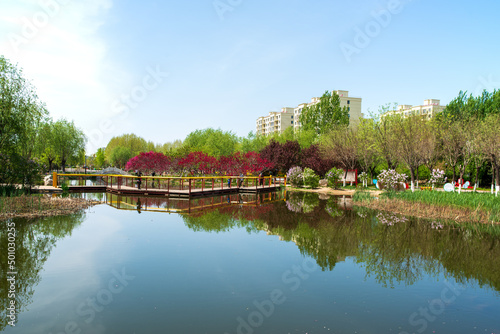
pixel 139 181
pixel 241 179
pixel 139 205
pixel 229 183
pixel 261 179
pixel 153 180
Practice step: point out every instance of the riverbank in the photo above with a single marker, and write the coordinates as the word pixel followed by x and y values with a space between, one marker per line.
pixel 462 208
pixel 34 206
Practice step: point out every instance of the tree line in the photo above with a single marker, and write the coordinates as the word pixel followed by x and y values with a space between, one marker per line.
pixel 29 138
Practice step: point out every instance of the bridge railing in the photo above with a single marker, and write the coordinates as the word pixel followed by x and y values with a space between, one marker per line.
pixel 168 183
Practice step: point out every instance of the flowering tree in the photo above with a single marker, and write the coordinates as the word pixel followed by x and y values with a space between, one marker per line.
pixel 390 179
pixel 437 176
pixel 196 162
pixel 149 162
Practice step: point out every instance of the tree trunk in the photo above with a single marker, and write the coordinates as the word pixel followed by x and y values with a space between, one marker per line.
pixel 497 178
pixel 476 183
pixel 412 172
pixel 492 177
pixel 345 177
pixel 63 165
pixel 454 175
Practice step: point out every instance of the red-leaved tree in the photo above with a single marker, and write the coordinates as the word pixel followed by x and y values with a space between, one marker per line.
pixel 149 162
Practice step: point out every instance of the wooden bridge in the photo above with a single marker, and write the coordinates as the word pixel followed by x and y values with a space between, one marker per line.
pixel 167 186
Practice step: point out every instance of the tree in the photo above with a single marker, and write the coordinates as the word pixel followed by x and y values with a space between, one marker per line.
pixel 452 142
pixel 282 156
pixel 20 109
pixel 340 145
pixel 45 144
pixel 120 156
pixel 366 145
pixel 490 145
pixel 311 158
pixel 134 143
pixel 69 142
pixel 149 162
pixel 100 157
pixel 21 114
pixel 252 143
pixel 413 133
pixel 215 143
pixel 324 115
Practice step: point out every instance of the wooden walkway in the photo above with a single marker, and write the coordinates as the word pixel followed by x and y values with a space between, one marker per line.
pixel 167 186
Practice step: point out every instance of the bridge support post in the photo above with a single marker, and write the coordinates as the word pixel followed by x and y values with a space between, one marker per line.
pixel 54 179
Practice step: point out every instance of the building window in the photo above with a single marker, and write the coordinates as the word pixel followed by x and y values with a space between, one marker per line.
pixel 348 101
pixel 348 108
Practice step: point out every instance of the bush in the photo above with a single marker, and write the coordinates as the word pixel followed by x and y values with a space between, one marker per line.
pixel 294 176
pixel 311 179
pixel 334 175
pixel 389 179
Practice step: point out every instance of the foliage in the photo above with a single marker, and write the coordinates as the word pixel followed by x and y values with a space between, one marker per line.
pixel 100 158
pixel 282 156
pixel 324 115
pixel 252 143
pixel 119 156
pixel 334 175
pixel 212 142
pixel 390 179
pixel 311 179
pixel 311 157
pixel 294 176
pixel 149 162
pixel 134 143
pixel 69 142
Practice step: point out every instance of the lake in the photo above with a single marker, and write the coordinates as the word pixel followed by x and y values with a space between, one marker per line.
pixel 268 263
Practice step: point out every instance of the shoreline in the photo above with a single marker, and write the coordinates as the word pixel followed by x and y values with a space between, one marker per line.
pixel 41 206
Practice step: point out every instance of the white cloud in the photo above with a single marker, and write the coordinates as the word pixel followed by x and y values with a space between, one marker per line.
pixel 57 43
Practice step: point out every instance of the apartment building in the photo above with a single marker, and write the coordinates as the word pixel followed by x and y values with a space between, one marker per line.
pixel 279 121
pixel 430 108
pixel 275 122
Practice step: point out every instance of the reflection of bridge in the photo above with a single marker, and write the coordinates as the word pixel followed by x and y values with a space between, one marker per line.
pixel 168 186
pixel 185 205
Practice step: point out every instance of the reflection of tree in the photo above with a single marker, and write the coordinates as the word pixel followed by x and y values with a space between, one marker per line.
pixel 34 242
pixel 392 249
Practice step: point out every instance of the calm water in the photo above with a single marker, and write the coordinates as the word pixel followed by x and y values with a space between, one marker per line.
pixel 276 263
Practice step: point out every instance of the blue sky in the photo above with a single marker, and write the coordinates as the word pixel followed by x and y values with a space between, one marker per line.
pixel 162 69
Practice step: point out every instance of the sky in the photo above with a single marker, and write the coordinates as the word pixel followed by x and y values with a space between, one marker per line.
pixel 162 69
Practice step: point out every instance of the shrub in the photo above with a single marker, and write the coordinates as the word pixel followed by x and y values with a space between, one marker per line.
pixel 294 176
pixel 390 179
pixel 311 179
pixel 363 177
pixel 334 175
pixel 437 176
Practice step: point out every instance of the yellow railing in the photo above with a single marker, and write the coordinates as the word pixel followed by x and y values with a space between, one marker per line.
pixel 191 183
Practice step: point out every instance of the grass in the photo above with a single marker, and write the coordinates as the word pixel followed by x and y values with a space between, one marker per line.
pixel 474 201
pixel 462 208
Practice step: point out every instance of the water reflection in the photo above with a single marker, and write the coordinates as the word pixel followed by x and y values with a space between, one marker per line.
pixel 34 242
pixel 392 249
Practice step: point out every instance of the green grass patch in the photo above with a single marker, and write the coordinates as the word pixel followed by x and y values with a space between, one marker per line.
pixel 362 196
pixel 474 201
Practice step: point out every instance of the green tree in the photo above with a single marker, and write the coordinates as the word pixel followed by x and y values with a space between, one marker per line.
pixel 69 142
pixel 131 141
pixel 252 143
pixel 212 142
pixel 324 115
pixel 100 158
pixel 120 155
